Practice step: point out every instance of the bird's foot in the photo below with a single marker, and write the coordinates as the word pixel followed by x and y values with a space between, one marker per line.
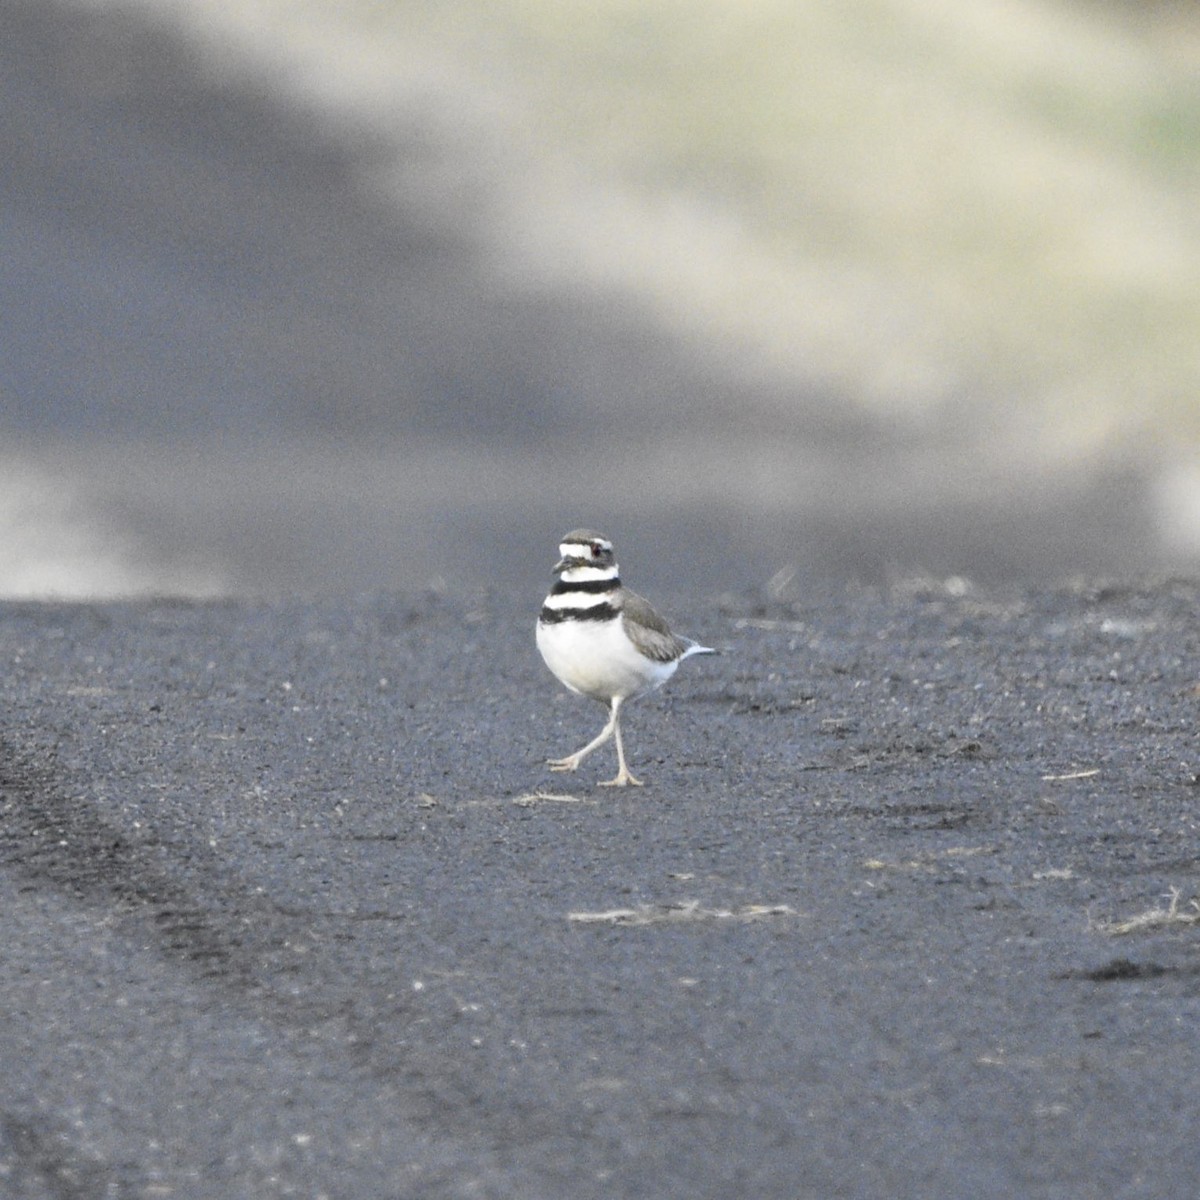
pixel 570 763
pixel 622 779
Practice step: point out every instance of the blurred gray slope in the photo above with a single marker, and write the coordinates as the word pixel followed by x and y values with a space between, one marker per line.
pixel 234 348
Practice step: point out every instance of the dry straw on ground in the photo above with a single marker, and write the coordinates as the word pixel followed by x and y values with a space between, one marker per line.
pixel 674 913
pixel 1156 918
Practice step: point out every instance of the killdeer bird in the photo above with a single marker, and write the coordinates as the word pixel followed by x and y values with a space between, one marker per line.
pixel 604 641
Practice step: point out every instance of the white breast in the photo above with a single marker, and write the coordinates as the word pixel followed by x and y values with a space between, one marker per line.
pixel 595 658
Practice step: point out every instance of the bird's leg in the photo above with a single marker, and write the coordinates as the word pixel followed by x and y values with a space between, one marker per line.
pixel 622 777
pixel 573 760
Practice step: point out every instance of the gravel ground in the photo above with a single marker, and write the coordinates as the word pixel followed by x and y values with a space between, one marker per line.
pixel 292 907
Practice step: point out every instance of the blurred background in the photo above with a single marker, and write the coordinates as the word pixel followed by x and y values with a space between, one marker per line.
pixel 304 296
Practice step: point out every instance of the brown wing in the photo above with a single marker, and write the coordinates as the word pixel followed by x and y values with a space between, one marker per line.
pixel 648 631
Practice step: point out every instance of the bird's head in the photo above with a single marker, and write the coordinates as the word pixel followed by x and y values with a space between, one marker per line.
pixel 584 548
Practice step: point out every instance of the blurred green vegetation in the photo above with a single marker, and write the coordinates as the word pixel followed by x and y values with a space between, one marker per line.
pixel 912 198
pixel 920 204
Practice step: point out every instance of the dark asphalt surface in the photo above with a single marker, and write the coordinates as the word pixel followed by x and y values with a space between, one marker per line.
pixel 285 914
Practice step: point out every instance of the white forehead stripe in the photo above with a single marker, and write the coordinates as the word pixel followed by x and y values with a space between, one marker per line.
pixel 582 549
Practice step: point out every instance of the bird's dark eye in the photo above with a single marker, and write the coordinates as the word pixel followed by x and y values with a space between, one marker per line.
pixel 595 548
